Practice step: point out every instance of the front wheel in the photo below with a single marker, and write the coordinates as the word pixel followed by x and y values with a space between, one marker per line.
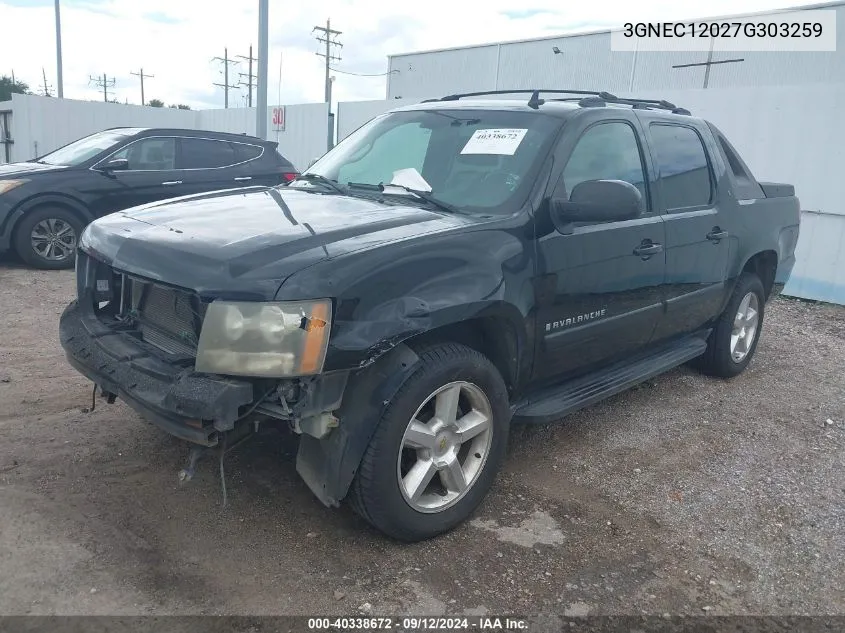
pixel 437 447
pixel 46 238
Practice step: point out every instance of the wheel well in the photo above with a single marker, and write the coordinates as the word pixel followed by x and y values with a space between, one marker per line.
pixel 494 337
pixel 764 265
pixel 47 203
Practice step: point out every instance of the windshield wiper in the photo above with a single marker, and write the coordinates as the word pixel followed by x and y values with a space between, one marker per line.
pixel 423 195
pixel 320 178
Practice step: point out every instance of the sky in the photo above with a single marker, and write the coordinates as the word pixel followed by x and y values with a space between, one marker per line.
pixel 177 40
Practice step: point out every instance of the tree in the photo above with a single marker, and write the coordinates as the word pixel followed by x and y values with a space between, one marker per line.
pixel 8 87
pixel 155 103
pixel 180 106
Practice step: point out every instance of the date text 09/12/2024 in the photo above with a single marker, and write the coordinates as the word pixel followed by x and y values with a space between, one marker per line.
pixel 459 623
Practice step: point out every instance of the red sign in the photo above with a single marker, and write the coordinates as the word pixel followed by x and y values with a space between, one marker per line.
pixel 279 118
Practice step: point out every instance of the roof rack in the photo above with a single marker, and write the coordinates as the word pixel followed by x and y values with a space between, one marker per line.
pixel 590 99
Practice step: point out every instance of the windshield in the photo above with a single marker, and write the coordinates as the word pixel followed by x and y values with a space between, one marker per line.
pixel 483 160
pixel 79 151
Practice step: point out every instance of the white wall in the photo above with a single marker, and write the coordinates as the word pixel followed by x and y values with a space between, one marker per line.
pixel 353 114
pixel 42 124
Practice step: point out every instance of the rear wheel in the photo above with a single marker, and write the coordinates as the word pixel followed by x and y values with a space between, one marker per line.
pixel 733 341
pixel 47 237
pixel 437 447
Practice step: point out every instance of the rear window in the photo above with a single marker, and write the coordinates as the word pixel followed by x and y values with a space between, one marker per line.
pixel 247 152
pixel 683 167
pixel 198 153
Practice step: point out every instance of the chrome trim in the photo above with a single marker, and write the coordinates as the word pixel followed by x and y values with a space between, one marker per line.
pixel 201 138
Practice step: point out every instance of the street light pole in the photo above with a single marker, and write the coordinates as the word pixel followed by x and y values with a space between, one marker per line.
pixel 59 81
pixel 261 92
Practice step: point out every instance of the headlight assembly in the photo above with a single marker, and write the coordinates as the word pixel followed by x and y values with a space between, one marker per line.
pixel 8 185
pixel 273 339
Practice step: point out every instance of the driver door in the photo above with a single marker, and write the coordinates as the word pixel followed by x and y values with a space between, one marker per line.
pixel 599 300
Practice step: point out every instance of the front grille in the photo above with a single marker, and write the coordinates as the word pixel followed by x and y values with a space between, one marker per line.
pixel 168 318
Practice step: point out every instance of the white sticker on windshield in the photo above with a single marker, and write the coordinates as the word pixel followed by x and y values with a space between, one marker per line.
pixel 495 141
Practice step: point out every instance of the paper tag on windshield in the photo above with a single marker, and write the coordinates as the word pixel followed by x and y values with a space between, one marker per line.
pixel 502 142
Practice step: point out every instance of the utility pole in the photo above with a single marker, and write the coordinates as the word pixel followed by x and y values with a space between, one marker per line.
pixel 330 40
pixel 263 47
pixel 142 75
pixel 59 51
pixel 250 83
pixel 46 87
pixel 105 83
pixel 225 85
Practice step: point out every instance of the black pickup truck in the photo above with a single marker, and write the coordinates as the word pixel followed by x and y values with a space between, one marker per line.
pixel 449 269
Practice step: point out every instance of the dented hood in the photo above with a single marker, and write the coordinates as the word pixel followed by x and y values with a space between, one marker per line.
pixel 244 243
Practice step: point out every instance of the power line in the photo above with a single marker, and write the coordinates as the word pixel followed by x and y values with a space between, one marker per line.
pixel 225 85
pixel 103 82
pixel 250 83
pixel 142 75
pixel 346 72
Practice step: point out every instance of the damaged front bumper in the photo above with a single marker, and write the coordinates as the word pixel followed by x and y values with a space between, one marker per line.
pixel 194 407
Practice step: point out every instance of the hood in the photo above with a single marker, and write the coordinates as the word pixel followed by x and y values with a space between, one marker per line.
pixel 245 243
pixel 25 169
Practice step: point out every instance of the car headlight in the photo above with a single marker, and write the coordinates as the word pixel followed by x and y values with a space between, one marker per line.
pixel 8 185
pixel 272 339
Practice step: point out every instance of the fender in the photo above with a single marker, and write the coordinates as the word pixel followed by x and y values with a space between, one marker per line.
pixel 329 465
pixel 36 201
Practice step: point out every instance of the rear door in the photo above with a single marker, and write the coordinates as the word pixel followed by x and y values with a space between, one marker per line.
pixel 698 235
pixel 208 164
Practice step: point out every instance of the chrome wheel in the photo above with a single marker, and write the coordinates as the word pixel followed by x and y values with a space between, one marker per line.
pixel 53 239
pixel 745 327
pixel 445 447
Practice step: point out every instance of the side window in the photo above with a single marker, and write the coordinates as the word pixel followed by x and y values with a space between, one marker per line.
pixel 199 153
pixel 402 147
pixel 150 154
pixel 746 186
pixel 245 152
pixel 683 167
pixel 607 151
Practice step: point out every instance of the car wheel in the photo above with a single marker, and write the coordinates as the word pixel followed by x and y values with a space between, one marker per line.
pixel 437 446
pixel 733 341
pixel 47 237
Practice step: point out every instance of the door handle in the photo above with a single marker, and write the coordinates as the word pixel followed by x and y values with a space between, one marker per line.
pixel 171 182
pixel 244 178
pixel 647 249
pixel 717 234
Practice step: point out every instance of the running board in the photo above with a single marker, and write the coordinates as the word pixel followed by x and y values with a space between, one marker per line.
pixel 555 402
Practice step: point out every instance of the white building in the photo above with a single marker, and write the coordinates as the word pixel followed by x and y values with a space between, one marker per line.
pixel 586 62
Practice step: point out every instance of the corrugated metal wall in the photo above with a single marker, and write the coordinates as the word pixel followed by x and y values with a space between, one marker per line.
pixel 41 124
pixel 586 62
pixel 793 134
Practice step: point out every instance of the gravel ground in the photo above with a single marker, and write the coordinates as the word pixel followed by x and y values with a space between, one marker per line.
pixel 685 495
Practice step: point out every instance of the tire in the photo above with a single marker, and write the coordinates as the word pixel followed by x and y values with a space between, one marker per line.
pixel 377 494
pixel 51 223
pixel 720 358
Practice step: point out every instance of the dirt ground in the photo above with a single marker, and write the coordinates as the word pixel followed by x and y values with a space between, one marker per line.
pixel 685 495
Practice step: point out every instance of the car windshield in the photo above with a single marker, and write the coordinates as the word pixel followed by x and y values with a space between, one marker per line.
pixel 475 160
pixel 79 151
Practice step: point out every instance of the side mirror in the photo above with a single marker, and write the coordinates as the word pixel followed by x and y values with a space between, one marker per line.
pixel 598 201
pixel 117 164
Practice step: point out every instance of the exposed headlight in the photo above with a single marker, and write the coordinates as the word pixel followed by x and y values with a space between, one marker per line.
pixel 274 339
pixel 8 185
